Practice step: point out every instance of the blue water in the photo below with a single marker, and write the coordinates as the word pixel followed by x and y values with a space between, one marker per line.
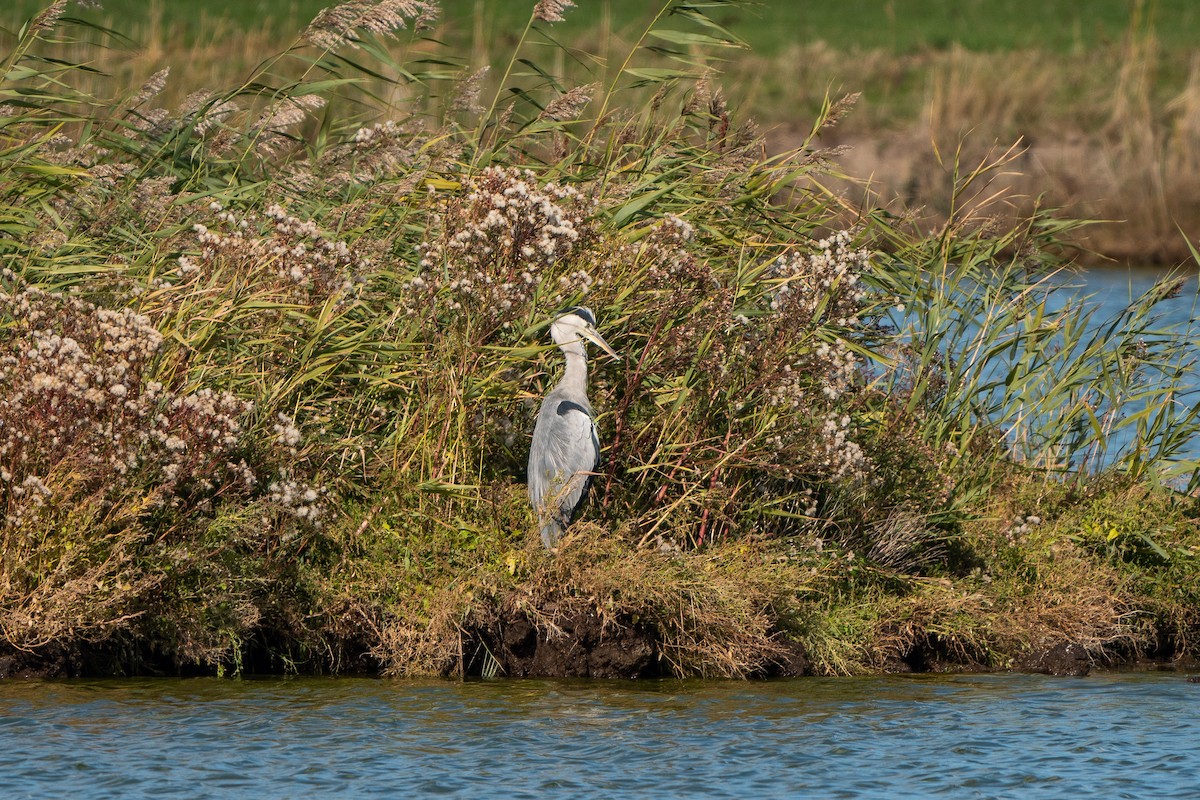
pixel 1107 293
pixel 995 736
pixel 1110 291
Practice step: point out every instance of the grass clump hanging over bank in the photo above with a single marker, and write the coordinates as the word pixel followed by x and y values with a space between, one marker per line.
pixel 270 359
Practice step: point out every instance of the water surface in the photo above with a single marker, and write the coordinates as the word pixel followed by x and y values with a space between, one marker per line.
pixel 1111 736
pixel 1106 294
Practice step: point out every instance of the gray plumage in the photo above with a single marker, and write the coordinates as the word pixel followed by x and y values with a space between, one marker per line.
pixel 565 449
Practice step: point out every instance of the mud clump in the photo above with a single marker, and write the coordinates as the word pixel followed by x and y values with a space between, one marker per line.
pixel 792 662
pixel 14 667
pixel 1065 658
pixel 552 642
pixel 580 645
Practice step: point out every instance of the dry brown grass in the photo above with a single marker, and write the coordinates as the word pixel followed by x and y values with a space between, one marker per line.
pixel 1098 134
pixel 53 592
pixel 716 614
pixel 739 610
pixel 1062 569
pixel 971 623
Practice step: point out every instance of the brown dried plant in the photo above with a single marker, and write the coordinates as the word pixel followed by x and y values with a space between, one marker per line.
pixel 336 26
pixel 551 10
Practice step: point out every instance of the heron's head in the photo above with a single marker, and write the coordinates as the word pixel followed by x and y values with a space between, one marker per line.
pixel 576 325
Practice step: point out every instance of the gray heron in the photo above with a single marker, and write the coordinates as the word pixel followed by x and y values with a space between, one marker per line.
pixel 565 447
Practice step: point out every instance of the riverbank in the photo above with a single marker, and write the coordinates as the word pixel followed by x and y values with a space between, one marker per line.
pixel 268 370
pixel 1055 580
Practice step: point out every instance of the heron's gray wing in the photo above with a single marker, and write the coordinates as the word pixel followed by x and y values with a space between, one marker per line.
pixel 564 452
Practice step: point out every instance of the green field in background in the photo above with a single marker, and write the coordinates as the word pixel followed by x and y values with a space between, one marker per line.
pixel 899 25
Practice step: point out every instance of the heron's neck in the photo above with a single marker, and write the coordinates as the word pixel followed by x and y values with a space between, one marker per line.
pixel 575 374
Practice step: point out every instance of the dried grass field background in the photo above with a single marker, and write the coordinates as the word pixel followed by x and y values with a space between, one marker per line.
pixel 273 328
pixel 1102 100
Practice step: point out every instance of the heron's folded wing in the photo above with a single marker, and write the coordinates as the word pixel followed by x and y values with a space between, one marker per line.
pixel 564 453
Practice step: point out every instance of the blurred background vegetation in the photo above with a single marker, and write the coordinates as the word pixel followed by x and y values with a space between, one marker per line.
pixel 900 26
pixel 1103 98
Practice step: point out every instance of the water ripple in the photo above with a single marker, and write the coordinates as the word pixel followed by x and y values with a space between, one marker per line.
pixel 1109 736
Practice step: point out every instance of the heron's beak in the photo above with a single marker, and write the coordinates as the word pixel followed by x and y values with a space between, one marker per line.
pixel 593 336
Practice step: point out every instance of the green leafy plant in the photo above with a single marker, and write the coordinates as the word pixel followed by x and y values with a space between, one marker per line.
pixel 310 314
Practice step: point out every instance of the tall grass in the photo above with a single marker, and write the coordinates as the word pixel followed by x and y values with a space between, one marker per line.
pixel 1105 108
pixel 1105 134
pixel 307 434
pixel 1010 343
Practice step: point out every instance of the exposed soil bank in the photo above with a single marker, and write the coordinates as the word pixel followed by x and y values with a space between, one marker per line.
pixel 1145 213
pixel 1061 597
pixel 583 645
pixel 583 648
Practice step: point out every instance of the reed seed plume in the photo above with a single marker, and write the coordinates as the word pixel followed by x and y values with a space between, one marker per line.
pixel 290 111
pixel 274 122
pixel 841 108
pixel 335 26
pixel 570 105
pixel 46 18
pixel 202 110
pixel 466 93
pixel 151 88
pixel 551 10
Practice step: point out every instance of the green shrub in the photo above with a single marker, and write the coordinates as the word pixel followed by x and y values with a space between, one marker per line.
pixel 270 366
